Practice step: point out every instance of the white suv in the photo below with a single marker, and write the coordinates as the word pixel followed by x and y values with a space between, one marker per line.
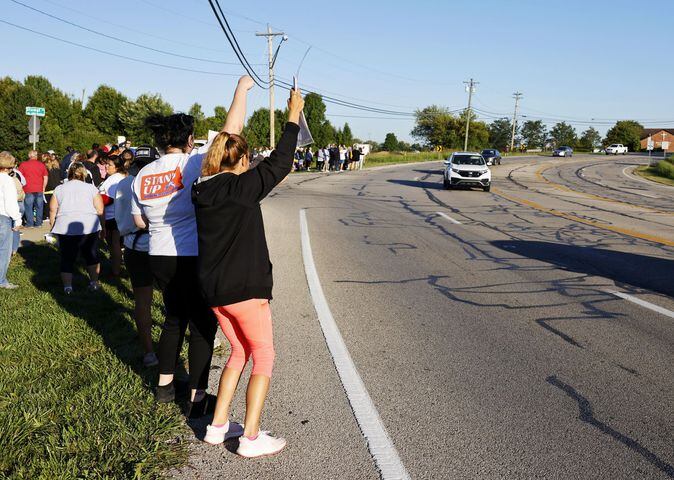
pixel 467 169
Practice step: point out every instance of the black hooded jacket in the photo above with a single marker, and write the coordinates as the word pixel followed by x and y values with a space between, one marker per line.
pixel 233 257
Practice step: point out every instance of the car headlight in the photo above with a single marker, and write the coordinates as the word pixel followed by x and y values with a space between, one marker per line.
pixel 482 172
pixel 456 170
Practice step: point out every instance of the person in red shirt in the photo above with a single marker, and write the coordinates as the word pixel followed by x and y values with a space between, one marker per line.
pixel 36 176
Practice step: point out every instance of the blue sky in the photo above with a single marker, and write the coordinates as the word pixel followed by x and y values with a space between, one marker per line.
pixel 581 60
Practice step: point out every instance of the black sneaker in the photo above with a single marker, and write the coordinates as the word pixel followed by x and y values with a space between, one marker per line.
pixel 165 394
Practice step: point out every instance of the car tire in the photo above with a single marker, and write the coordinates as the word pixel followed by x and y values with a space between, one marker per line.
pixel 446 185
pixel 487 188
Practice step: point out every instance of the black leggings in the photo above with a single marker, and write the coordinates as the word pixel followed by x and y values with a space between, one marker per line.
pixel 69 245
pixel 177 278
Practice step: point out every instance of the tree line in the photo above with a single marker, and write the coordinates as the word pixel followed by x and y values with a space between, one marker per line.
pixel 109 113
pixel 438 127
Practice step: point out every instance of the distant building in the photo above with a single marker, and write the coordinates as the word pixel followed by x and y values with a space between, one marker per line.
pixel 658 135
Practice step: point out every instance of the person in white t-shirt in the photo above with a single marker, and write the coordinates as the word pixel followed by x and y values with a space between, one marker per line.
pixel 136 251
pixel 116 172
pixel 163 205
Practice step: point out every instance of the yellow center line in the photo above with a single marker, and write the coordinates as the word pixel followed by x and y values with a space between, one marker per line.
pixel 564 188
pixel 574 218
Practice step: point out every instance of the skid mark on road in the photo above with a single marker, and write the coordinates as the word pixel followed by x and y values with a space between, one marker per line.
pixel 575 218
pixel 379 443
pixel 586 414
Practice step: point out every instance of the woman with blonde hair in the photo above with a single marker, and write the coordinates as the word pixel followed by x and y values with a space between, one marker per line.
pixel 53 178
pixel 76 214
pixel 235 271
pixel 10 218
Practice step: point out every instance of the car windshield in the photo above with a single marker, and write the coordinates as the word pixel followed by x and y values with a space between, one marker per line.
pixel 564 148
pixel 488 152
pixel 468 160
pixel 614 145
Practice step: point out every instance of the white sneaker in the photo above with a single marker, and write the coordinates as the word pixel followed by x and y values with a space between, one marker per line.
pixel 263 445
pixel 217 435
pixel 150 360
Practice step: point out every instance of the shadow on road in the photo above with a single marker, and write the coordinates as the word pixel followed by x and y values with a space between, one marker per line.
pixel 639 271
pixel 420 184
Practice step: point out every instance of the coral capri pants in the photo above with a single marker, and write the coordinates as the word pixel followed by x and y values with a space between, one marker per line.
pixel 247 326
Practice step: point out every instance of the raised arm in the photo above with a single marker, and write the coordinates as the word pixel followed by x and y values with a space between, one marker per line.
pixel 237 110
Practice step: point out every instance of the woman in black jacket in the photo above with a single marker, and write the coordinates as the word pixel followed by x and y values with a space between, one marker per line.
pixel 235 272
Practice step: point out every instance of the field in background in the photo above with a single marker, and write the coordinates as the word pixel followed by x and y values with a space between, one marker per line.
pixel 75 401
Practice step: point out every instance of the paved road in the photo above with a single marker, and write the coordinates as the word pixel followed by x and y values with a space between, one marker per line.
pixel 483 325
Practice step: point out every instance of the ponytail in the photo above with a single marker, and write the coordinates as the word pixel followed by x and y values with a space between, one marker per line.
pixel 225 153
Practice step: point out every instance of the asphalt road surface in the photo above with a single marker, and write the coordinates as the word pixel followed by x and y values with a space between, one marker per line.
pixel 523 333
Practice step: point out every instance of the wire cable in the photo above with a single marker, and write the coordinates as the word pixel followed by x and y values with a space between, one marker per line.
pixel 120 39
pixel 145 62
pixel 235 46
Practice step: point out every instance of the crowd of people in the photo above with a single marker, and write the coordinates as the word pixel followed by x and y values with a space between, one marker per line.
pixel 331 158
pixel 186 220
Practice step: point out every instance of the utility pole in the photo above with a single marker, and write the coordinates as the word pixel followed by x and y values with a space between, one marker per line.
pixel 516 96
pixel 270 43
pixel 470 88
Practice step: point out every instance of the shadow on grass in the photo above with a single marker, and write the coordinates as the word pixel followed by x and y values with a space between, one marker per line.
pixel 100 310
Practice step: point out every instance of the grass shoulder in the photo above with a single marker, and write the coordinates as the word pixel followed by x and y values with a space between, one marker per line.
pixel 379 159
pixel 75 401
pixel 662 173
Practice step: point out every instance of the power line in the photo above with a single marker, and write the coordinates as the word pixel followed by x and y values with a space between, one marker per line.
pixel 231 38
pixel 145 62
pixel 120 39
pixel 129 29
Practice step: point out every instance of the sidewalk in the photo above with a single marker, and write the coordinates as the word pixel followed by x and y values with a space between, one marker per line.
pixel 34 235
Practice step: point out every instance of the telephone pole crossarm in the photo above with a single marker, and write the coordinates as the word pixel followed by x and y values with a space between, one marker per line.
pixel 470 88
pixel 272 60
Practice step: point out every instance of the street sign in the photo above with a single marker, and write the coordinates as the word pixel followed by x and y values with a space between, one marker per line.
pixel 34 125
pixel 39 111
pixel 33 139
pixel 650 145
pixel 665 146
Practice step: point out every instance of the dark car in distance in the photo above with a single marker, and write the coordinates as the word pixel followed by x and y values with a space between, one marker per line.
pixel 491 156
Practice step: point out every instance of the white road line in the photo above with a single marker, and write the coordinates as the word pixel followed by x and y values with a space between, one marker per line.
pixel 643 303
pixel 416 179
pixel 447 217
pixel 633 176
pixel 378 441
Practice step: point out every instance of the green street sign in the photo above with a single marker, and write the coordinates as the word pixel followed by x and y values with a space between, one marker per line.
pixel 37 111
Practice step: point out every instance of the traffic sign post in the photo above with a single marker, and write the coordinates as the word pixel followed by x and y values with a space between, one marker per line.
pixel 34 123
pixel 665 147
pixel 34 128
pixel 37 111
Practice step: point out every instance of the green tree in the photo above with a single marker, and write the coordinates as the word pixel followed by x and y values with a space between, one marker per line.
pixel 391 143
pixel 133 115
pixel 533 133
pixel 321 129
pixel 217 120
pixel 347 135
pixel 478 133
pixel 589 139
pixel 500 131
pixel 627 132
pixel 257 128
pixel 436 127
pixel 564 134
pixel 103 109
pixel 200 130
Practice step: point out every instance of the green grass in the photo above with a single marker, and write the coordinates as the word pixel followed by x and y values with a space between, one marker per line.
pixel 75 401
pixel 386 158
pixel 663 172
